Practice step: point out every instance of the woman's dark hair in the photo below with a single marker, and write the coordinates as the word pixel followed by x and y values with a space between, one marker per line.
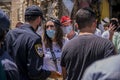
pixel 58 35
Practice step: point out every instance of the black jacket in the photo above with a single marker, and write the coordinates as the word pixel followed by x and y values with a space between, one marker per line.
pixel 28 52
pixel 9 66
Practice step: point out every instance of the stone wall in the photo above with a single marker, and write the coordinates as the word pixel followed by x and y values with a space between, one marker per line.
pixel 14 12
pixel 49 7
pixel 17 10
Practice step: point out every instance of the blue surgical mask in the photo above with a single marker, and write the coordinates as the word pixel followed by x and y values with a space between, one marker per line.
pixel 69 29
pixel 50 33
pixel 64 30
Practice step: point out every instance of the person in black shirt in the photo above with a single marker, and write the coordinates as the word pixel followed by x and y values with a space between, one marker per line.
pixel 27 47
pixel 2 72
pixel 9 66
pixel 83 50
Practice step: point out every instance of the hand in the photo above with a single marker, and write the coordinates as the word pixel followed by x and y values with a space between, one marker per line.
pixel 111 31
pixel 55 75
pixel 111 28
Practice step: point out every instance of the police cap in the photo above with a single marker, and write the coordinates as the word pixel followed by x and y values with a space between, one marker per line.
pixel 34 11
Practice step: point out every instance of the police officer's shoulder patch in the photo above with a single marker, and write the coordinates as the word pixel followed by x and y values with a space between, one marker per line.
pixel 39 50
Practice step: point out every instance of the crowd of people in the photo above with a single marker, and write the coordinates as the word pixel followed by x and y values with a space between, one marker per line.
pixel 63 51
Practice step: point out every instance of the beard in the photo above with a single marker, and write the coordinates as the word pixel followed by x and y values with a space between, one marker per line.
pixel 39 25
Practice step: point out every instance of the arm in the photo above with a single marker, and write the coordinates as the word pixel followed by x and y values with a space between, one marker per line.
pixel 12 74
pixel 2 72
pixel 10 67
pixel 9 43
pixel 111 31
pixel 35 62
pixel 63 65
pixel 64 73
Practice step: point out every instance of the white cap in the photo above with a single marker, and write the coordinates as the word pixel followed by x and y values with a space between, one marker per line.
pixel 105 21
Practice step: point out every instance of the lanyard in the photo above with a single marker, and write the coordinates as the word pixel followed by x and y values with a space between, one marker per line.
pixel 54 58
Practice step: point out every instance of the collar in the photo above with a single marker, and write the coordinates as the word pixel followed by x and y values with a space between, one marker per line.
pixel 85 33
pixel 27 26
pixel 73 36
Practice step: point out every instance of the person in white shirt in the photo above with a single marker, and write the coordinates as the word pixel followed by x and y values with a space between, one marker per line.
pixel 98 32
pixel 53 42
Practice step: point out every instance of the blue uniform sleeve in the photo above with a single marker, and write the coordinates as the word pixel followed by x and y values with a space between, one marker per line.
pixel 10 67
pixel 35 61
pixel 8 43
pixel 12 74
pixel 2 73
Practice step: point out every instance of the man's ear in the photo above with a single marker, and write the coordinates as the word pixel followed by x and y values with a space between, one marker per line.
pixel 94 24
pixel 38 20
pixel 76 25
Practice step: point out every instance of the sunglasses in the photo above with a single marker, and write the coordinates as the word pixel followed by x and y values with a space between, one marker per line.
pixel 56 21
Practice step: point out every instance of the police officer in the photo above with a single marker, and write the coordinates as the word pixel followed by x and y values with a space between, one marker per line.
pixel 27 47
pixel 2 72
pixel 9 66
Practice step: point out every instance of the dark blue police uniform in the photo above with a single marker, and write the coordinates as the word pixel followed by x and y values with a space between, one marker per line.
pixel 9 66
pixel 2 73
pixel 28 52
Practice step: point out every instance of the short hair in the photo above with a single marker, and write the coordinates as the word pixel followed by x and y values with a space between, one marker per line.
pixel 85 17
pixel 30 18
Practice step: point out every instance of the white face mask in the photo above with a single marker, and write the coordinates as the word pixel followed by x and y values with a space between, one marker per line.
pixel 67 29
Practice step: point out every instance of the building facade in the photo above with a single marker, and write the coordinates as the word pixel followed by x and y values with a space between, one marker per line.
pixel 56 8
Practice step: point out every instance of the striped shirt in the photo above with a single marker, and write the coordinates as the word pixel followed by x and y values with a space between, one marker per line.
pixel 83 50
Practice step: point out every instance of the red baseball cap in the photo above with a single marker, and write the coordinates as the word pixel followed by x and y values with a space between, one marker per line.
pixel 65 19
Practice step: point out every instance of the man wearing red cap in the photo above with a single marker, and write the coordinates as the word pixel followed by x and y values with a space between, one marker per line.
pixel 67 27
